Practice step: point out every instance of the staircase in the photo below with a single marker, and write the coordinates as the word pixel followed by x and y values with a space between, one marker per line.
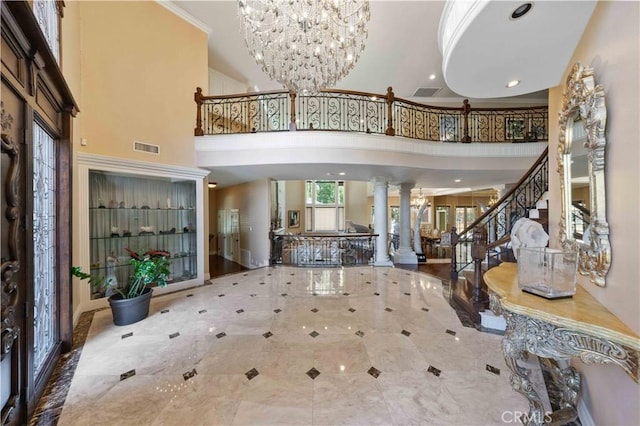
pixel 487 241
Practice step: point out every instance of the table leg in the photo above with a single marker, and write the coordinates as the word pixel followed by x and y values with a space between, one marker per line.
pixel 514 350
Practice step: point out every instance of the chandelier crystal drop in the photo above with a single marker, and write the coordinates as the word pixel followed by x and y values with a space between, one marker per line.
pixel 306 45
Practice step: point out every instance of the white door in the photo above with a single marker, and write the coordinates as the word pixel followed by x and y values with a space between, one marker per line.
pixel 222 221
pixel 234 235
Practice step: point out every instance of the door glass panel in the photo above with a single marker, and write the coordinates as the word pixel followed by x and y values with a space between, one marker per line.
pixel 44 248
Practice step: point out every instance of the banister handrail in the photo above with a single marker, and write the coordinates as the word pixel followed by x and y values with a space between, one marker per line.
pixel 511 206
pixel 356 111
pixel 508 194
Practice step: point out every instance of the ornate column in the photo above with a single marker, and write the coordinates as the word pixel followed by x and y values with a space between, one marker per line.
pixel 405 254
pixel 380 226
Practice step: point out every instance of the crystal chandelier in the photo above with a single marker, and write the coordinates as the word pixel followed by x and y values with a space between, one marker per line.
pixel 306 45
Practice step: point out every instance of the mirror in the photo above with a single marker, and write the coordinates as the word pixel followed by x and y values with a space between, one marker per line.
pixel 581 161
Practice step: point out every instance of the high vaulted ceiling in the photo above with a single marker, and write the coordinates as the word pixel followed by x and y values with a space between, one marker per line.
pixel 402 52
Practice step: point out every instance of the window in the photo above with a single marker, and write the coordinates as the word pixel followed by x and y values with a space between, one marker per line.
pixel 48 17
pixel 325 205
pixel 465 215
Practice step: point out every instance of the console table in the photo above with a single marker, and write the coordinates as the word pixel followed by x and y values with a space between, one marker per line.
pixel 557 329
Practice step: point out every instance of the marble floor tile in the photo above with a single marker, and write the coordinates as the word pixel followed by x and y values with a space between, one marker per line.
pixel 284 345
pixel 276 400
pixel 340 399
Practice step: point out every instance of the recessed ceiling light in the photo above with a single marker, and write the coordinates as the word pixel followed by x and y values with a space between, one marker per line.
pixel 457 180
pixel 521 10
pixel 432 77
pixel 329 174
pixel 513 83
pixel 342 173
pixel 212 185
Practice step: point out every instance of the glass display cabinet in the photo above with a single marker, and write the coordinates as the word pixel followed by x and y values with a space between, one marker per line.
pixel 127 205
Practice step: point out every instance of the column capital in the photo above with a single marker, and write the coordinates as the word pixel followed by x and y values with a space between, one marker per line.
pixel 406 187
pixel 380 181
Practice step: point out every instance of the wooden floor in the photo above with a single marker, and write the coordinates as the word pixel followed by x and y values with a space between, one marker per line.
pixel 219 266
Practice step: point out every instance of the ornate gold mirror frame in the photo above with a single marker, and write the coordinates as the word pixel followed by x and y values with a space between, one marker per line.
pixel 584 101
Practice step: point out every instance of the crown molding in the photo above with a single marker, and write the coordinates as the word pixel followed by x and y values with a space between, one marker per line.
pixel 171 7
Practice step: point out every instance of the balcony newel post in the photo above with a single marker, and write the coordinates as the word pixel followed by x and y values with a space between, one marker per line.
pixel 390 99
pixel 292 125
pixel 198 131
pixel 466 109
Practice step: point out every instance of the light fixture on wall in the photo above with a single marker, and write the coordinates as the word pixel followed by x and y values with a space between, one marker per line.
pixel 306 45
pixel 492 200
pixel 212 185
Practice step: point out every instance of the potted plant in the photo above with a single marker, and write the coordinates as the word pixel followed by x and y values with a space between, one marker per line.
pixel 130 304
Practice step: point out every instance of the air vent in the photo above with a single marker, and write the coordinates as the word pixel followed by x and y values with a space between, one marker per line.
pixel 426 92
pixel 146 147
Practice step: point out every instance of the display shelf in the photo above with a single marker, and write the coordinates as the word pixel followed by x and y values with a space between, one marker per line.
pixel 159 221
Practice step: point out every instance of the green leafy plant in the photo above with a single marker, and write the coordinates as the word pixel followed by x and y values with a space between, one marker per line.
pixel 150 267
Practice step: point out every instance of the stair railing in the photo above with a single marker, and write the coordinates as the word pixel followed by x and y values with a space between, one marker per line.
pixel 496 222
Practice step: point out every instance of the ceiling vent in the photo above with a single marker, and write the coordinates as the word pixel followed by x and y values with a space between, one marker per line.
pixel 426 92
pixel 146 147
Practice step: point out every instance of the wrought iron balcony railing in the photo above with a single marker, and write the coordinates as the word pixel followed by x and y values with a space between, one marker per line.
pixel 340 110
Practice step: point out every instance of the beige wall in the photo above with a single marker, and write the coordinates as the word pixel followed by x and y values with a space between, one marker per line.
pixel 132 68
pixel 358 203
pixel 140 67
pixel 610 46
pixel 252 201
pixel 294 200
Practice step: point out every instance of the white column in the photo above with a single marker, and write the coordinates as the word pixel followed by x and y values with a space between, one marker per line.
pixel 380 226
pixel 405 254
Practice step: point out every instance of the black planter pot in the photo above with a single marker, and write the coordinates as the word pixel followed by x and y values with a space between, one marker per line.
pixel 128 311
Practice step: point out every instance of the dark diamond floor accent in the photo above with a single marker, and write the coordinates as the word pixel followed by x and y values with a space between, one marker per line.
pixel 359 333
pixel 267 334
pixel 345 294
pixel 277 311
pixel 221 335
pixel 436 372
pixel 234 283
pixel 174 335
pixel 388 309
pixel 261 283
pixel 314 294
pixel 406 333
pixel 425 309
pixel 394 282
pixel 124 336
pixel 253 295
pixel 451 332
pixel 493 369
pixel 189 295
pixel 284 294
pixel 239 311
pixel 189 374
pixel 128 374
pixel 288 282
pixel 221 295
pixel 314 310
pixel 251 373
pixel 407 294
pixel 368 282
pixel 314 334
pixel 351 310
pixel 202 311
pixel 374 372
pixel 376 293
pixel 164 311
pixel 313 373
